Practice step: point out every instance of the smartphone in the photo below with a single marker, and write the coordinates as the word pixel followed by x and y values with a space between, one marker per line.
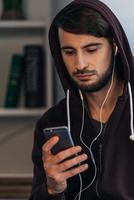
pixel 65 139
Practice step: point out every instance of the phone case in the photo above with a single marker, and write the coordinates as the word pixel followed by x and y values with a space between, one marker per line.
pixel 65 139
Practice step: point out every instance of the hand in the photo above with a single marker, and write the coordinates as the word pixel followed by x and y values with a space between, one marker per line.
pixel 58 169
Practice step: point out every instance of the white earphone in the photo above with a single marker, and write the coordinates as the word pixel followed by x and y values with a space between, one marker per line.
pixel 116 49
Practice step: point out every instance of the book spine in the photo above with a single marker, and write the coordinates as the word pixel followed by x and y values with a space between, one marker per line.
pixel 34 76
pixel 14 80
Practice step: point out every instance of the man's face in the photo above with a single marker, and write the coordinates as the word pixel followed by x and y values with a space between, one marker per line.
pixel 87 59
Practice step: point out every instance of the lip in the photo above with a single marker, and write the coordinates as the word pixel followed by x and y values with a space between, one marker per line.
pixel 84 76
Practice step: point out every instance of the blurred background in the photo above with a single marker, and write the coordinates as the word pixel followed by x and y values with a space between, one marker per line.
pixel 24 93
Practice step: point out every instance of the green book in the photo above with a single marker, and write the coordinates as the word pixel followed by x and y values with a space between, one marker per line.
pixel 12 9
pixel 12 5
pixel 14 82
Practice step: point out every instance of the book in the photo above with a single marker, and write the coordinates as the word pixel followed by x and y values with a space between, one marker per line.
pixel 12 10
pixel 14 82
pixel 34 75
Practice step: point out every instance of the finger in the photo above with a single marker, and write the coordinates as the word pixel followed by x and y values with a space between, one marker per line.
pixel 46 148
pixel 72 162
pixel 75 171
pixel 67 153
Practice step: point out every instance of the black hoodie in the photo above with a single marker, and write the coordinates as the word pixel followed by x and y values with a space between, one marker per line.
pixel 114 153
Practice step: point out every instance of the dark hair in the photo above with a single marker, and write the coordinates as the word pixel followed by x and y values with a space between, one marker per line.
pixel 84 20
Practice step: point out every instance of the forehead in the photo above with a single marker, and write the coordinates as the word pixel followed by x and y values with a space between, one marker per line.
pixel 76 40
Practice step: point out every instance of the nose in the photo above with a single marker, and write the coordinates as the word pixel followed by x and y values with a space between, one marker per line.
pixel 80 61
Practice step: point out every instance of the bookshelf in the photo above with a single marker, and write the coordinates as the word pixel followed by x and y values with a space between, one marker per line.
pixel 17 124
pixel 22 33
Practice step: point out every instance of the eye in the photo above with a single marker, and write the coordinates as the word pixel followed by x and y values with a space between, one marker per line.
pixel 69 52
pixel 91 50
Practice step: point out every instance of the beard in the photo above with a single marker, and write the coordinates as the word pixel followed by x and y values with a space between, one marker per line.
pixel 99 84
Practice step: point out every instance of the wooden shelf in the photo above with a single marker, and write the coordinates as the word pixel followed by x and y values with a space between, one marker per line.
pixel 22 112
pixel 22 24
pixel 16 176
pixel 15 187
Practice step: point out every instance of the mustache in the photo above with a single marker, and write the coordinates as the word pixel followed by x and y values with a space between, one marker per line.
pixel 84 71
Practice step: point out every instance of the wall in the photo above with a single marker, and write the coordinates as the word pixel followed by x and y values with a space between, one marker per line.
pixel 124 11
pixel 16 138
pixel 58 5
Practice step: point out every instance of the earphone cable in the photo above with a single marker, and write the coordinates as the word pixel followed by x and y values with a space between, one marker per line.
pixel 101 128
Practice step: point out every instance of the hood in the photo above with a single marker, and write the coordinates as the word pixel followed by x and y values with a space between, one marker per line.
pixel 119 38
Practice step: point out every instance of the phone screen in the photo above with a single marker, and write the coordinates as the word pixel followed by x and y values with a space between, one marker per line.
pixel 65 139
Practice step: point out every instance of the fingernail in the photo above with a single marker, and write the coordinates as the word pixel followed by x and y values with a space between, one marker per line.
pixel 79 148
pixel 85 156
pixel 85 166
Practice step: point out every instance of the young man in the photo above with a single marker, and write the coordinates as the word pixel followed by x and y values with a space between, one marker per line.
pixel 95 65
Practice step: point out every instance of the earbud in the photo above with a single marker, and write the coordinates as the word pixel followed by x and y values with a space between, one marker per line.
pixel 116 49
pixel 131 137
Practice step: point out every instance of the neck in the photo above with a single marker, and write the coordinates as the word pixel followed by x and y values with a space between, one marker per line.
pixel 96 99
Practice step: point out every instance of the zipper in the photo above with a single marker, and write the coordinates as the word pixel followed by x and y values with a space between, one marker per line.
pixel 100 156
pixel 100 160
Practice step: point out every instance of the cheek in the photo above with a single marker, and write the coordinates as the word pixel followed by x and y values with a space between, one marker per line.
pixel 107 59
pixel 104 61
pixel 68 63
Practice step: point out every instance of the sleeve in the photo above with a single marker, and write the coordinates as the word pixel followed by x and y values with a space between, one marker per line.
pixel 39 185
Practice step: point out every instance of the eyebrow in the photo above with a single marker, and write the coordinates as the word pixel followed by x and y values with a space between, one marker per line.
pixel 83 47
